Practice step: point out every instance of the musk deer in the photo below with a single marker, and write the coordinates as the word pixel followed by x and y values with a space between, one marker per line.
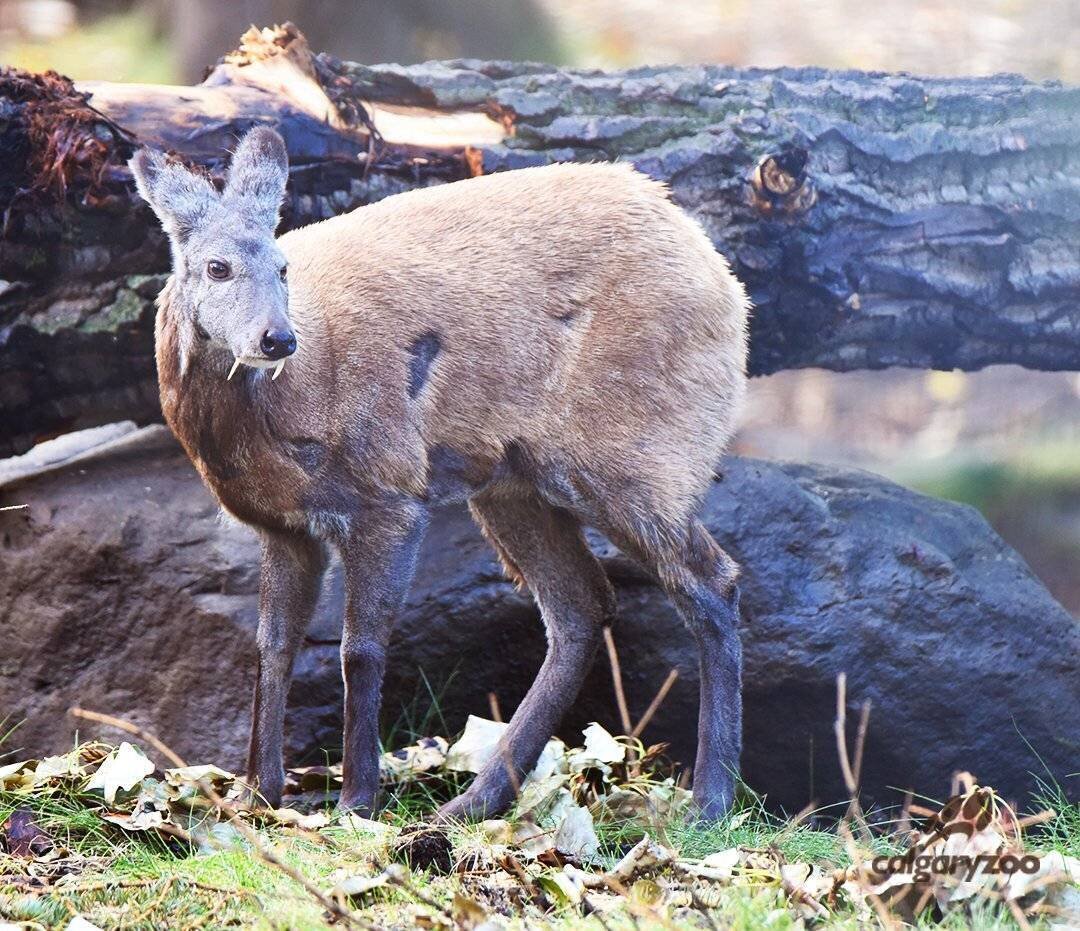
pixel 558 346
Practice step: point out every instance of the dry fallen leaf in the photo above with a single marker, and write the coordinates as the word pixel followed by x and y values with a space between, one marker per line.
pixel 644 857
pixel 294 818
pixel 52 768
pixel 149 814
pixel 365 826
pixel 123 769
pixel 646 892
pixel 654 805
pixel 538 793
pixel 424 756
pixel 562 886
pixel 497 831
pixel 601 746
pixel 21 836
pixel 10 774
pixel 530 839
pixel 352 886
pixel 805 885
pixel 575 835
pixel 477 744
pixel 185 775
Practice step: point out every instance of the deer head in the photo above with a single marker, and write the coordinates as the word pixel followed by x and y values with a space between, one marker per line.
pixel 229 276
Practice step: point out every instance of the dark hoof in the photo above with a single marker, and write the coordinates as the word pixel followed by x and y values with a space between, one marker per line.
pixel 456 810
pixel 713 803
pixel 424 847
pixel 363 809
pixel 251 797
pixel 359 803
pixel 470 806
pixel 713 809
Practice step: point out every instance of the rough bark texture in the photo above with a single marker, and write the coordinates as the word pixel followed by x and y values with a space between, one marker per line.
pixel 877 219
pixel 121 589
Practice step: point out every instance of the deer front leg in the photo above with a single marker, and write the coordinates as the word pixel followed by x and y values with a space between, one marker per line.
pixel 292 569
pixel 379 560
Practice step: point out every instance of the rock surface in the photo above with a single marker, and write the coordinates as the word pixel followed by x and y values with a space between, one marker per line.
pixel 121 589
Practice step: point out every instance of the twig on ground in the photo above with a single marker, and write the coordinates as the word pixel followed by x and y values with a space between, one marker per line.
pixel 102 884
pixel 632 764
pixel 616 675
pixel 655 704
pixel 853 851
pixel 903 824
pixel 399 877
pixel 851 772
pixel 839 729
pixel 231 815
pixel 792 891
pixel 1041 818
pixel 1018 914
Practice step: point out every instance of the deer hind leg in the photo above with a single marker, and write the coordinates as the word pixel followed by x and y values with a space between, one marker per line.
pixel 542 546
pixel 700 578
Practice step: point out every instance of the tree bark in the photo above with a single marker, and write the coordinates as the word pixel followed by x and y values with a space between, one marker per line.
pixel 876 219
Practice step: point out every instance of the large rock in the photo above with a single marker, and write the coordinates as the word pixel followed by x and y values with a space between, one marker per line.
pixel 124 591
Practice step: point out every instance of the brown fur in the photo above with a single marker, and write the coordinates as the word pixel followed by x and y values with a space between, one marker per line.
pixel 560 346
pixel 580 315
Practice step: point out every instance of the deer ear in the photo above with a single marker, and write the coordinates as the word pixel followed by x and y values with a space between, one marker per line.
pixel 180 198
pixel 257 177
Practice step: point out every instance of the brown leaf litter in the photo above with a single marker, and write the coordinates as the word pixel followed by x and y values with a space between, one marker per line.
pixel 546 854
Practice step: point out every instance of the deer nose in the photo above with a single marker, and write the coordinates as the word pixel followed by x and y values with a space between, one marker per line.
pixel 277 344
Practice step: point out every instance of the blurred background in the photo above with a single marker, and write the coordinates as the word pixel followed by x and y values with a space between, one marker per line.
pixel 1004 440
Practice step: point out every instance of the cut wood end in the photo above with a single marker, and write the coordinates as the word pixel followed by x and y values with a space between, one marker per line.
pixel 273 43
pixel 436 129
pixel 780 182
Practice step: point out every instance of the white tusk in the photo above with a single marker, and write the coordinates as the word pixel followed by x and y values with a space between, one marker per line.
pixel 232 371
pixel 278 370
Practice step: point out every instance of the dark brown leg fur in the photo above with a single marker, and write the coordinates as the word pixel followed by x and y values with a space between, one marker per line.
pixel 545 547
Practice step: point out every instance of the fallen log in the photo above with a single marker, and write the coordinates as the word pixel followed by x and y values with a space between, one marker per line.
pixel 877 219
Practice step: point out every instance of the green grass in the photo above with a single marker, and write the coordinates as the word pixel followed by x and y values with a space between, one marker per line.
pixel 143 882
pixel 1063 832
pixel 113 48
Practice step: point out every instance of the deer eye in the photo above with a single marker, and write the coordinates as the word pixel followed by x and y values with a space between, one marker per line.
pixel 218 270
pixel 284 272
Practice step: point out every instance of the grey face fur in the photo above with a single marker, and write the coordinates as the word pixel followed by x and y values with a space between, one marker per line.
pixel 230 278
